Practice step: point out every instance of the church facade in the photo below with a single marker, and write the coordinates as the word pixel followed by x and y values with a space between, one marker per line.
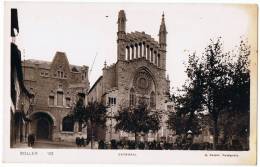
pixel 56 87
pixel 138 76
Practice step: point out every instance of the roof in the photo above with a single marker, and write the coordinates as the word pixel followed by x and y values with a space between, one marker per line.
pixel 47 64
pixel 40 63
pixel 97 81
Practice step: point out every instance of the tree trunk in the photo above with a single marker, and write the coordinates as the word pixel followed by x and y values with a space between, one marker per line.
pixel 215 138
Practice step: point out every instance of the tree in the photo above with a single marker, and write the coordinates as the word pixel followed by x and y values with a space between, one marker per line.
pixel 188 104
pixel 216 76
pixel 218 83
pixel 239 89
pixel 238 95
pixel 94 114
pixel 138 119
pixel 79 113
pixel 227 85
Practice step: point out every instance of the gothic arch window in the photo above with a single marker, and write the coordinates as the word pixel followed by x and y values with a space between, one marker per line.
pixel 151 55
pixel 159 60
pixel 152 99
pixel 136 51
pixel 132 97
pixel 148 53
pixel 155 58
pixel 143 82
pixel 127 53
pixel 68 124
pixel 132 52
pixel 140 50
pixel 144 50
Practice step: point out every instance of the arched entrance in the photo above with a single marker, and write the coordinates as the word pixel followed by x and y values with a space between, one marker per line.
pixel 43 129
pixel 42 125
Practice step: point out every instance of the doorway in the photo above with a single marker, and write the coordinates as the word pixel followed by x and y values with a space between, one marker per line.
pixel 43 129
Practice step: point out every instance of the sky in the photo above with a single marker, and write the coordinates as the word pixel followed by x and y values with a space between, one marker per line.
pixel 83 31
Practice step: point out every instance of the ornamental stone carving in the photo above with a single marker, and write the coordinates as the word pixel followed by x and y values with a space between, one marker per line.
pixel 142 82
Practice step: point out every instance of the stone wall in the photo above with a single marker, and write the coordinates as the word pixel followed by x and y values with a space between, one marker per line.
pixel 109 77
pixel 42 79
pixel 126 71
pixel 96 91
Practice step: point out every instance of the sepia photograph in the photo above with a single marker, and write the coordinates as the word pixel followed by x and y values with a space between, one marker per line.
pixel 164 78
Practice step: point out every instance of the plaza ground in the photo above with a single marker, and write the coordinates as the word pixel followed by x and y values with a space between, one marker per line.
pixel 50 145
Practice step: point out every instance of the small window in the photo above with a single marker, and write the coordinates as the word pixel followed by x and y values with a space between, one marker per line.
pixel 68 124
pixel 114 102
pixel 42 73
pixel 67 102
pixel 74 69
pixel 60 98
pixel 51 100
pixel 109 101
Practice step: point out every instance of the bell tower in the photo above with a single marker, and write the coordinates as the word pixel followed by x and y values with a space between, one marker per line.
pixel 121 35
pixel 162 42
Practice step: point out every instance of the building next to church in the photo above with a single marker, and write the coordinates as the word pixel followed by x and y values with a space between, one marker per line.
pixel 139 75
pixel 20 96
pixel 56 86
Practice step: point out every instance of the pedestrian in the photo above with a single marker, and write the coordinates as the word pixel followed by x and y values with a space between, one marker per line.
pixel 33 139
pixel 101 144
pixel 77 141
pixel 113 144
pixel 29 140
pixel 82 141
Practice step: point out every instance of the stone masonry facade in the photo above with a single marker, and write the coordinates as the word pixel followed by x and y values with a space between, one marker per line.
pixel 139 75
pixel 56 85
